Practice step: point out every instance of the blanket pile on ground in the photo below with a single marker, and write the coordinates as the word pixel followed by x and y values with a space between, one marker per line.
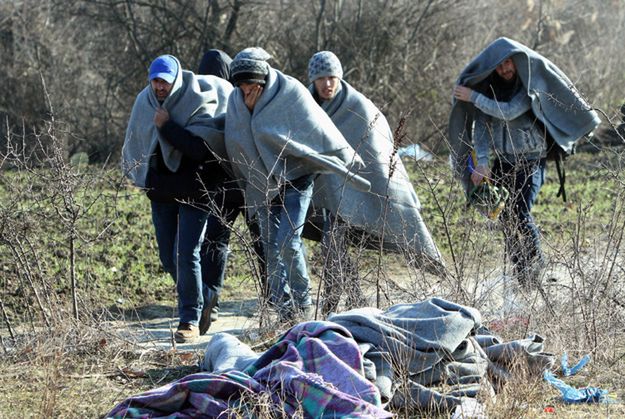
pixel 427 356
pixel 315 369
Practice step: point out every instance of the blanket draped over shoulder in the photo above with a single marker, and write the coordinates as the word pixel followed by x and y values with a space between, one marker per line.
pixel 194 103
pixel 285 137
pixel 391 208
pixel 555 100
pixel 416 358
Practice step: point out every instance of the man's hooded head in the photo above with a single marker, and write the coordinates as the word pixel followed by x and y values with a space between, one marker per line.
pixel 215 63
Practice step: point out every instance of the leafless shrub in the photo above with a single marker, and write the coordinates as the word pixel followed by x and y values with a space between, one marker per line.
pixel 403 55
pixel 72 69
pixel 50 208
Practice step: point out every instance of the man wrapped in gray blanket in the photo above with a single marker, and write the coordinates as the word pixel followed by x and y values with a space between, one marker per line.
pixel 169 151
pixel 278 140
pixel 390 210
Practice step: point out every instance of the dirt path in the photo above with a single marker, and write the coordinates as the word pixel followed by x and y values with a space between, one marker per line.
pixel 153 326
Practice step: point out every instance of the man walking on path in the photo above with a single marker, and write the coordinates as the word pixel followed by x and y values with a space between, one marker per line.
pixel 278 140
pixel 389 211
pixel 224 208
pixel 507 102
pixel 169 151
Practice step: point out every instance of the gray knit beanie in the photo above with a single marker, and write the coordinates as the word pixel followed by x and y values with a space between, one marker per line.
pixel 250 66
pixel 324 64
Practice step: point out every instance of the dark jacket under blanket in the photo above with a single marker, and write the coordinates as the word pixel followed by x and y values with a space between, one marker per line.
pixel 200 175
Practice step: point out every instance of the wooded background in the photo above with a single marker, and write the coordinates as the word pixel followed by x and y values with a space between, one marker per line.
pixel 81 63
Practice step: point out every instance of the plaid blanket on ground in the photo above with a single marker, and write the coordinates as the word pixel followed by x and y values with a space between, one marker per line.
pixel 316 368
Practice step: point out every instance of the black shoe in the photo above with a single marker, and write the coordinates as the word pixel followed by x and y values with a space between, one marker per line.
pixel 215 313
pixel 307 313
pixel 529 276
pixel 207 312
pixel 286 314
pixel 285 311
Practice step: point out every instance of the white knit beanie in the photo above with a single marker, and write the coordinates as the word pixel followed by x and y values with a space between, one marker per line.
pixel 324 64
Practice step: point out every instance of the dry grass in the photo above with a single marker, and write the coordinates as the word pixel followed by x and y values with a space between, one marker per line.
pixel 70 369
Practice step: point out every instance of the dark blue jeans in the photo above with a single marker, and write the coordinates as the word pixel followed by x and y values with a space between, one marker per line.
pixel 215 249
pixel 523 180
pixel 179 234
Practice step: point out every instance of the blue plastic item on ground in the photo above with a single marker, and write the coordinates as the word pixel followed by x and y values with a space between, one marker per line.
pixel 574 395
pixel 568 371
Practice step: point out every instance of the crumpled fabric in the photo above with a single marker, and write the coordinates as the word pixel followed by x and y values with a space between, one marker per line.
pixel 224 352
pixel 315 369
pixel 573 395
pixel 568 371
pixel 422 357
pixel 429 355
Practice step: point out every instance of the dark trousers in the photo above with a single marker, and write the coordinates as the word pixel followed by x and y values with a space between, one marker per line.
pixel 179 229
pixel 523 180
pixel 223 211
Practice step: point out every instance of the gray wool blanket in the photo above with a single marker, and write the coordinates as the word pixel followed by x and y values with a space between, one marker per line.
pixel 555 100
pixel 428 355
pixel 425 356
pixel 285 137
pixel 194 103
pixel 427 331
pixel 391 208
pixel 225 352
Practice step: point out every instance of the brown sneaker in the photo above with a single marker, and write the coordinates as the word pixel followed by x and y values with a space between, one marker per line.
pixel 186 333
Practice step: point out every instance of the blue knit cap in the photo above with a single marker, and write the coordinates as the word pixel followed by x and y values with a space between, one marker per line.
pixel 324 64
pixel 250 65
pixel 164 67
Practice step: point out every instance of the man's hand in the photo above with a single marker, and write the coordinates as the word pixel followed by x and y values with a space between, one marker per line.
pixel 160 117
pixel 251 96
pixel 479 173
pixel 463 93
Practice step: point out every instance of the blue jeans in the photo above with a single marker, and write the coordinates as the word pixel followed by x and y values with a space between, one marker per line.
pixel 179 233
pixel 523 180
pixel 281 226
